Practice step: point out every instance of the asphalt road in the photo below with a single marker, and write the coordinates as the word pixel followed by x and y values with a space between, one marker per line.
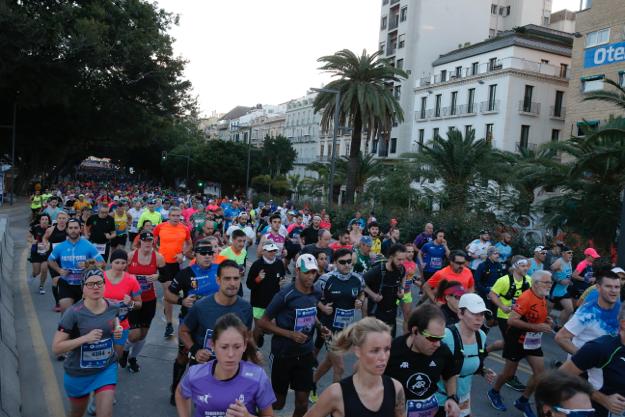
pixel 147 392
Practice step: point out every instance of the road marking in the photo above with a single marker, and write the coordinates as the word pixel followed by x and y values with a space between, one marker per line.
pixel 51 391
pixel 522 367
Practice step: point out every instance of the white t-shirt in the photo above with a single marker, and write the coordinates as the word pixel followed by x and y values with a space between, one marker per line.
pixel 135 214
pixel 479 248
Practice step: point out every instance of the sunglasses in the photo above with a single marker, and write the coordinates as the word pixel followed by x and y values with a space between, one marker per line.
pixel 589 412
pixel 430 337
pixel 94 284
pixel 205 251
pixel 459 263
pixel 570 252
pixel 457 297
pixel 345 262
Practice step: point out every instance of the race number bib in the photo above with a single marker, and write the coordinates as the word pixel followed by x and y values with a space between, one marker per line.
pixel 422 408
pixel 305 319
pixel 343 318
pixel 145 283
pixel 96 355
pixel 208 341
pixel 436 263
pixel 73 278
pixel 532 340
pixel 101 247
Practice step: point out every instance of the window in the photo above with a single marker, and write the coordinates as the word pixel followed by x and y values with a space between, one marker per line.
pixel 492 64
pixel 585 126
pixel 384 22
pixel 621 78
pixel 454 102
pixel 470 100
pixel 593 83
pixel 384 2
pixel 493 9
pixel 347 147
pixel 437 105
pixel 557 105
pixel 474 68
pixel 459 71
pixel 545 20
pixel 525 137
pixel 403 14
pixel 397 92
pixel 492 94
pixel 555 135
pixel 489 132
pixel 424 102
pixel 393 145
pixel 435 133
pixel 400 64
pixel 467 130
pixel 421 138
pixel 527 98
pixel 564 70
pixel 508 11
pixel 382 45
pixel 374 146
pixel 501 11
pixel 597 38
pixel 443 76
pixel 321 150
pixel 401 41
pixel 544 61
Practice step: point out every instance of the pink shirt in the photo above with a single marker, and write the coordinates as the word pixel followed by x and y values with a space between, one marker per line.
pixel 128 285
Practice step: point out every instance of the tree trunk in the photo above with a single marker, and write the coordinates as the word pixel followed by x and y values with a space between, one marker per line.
pixel 353 164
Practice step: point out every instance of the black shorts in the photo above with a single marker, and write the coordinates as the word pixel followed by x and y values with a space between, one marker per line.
pixel 557 305
pixel 132 236
pixel 142 318
pixel 292 371
pixel 37 258
pixel 168 272
pixel 503 326
pixel 69 291
pixel 514 351
pixel 119 240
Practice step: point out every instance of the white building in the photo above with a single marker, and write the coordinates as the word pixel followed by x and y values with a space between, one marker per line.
pixel 303 128
pixel 510 89
pixel 414 33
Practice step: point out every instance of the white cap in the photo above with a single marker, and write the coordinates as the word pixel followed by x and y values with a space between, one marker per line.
pixel 618 270
pixel 270 246
pixel 306 262
pixel 473 303
pixel 539 249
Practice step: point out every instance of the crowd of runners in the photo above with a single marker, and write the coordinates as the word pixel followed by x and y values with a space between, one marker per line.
pixel 415 314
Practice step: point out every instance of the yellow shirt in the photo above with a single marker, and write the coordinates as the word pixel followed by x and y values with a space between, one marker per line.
pixel 501 287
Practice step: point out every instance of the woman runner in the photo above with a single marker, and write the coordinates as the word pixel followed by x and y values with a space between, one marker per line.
pixel 40 250
pixel 54 235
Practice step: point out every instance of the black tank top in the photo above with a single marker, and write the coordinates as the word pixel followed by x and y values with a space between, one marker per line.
pixel 58 236
pixel 353 407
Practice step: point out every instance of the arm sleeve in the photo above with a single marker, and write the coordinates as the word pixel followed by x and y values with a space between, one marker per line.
pixel 449 369
pixel 500 287
pixel 274 307
pixel 434 280
pixel 67 322
pixel 185 385
pixel 264 396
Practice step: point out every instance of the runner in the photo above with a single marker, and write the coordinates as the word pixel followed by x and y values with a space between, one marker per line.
pixel 273 235
pixel 418 361
pixel 294 309
pixel 425 236
pixel 432 255
pixel 53 209
pixel 54 235
pixel 231 385
pixel 368 392
pixel 134 212
pixel 560 296
pixel 374 233
pixel 410 266
pixel 87 332
pixel 477 249
pixel 504 248
pixel 100 229
pixel 343 242
pixel 342 293
pixel 150 214
pixel 322 245
pixel 467 342
pixel 362 255
pixel 527 322
pixel 583 276
pixel 237 252
pixel 448 297
pixel 68 260
pixel 538 261
pixel 562 395
pixel 174 242
pixel 144 264
pixel 455 271
pixel 196 333
pixel 488 273
pixel 311 233
pixel 393 239
pixel 122 220
pixel 39 250
pixel 263 280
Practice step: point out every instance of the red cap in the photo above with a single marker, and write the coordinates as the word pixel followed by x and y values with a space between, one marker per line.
pixel 591 252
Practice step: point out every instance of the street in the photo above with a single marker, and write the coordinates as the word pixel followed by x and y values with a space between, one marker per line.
pixel 147 393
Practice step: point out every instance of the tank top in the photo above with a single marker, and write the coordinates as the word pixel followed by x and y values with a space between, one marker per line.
pixel 57 236
pixel 141 271
pixel 121 223
pixel 559 290
pixel 353 407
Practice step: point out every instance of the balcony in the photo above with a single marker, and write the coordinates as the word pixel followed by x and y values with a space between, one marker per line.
pixel 394 2
pixel 529 108
pixel 485 68
pixel 487 107
pixel 390 50
pixel 530 146
pixel 393 23
pixel 558 113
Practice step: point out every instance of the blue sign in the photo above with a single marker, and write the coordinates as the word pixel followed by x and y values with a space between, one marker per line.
pixel 604 55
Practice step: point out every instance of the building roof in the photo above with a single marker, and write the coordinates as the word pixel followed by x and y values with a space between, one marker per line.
pixel 236 112
pixel 529 36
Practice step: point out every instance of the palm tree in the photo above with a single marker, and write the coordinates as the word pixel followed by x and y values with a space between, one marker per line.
pixel 368 167
pixel 615 97
pixel 367 100
pixel 295 183
pixel 316 186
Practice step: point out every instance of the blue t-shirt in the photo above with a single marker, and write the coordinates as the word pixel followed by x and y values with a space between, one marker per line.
pixel 608 354
pixel 534 267
pixel 433 256
pixel 230 213
pixel 70 255
pixel 505 251
pixel 565 272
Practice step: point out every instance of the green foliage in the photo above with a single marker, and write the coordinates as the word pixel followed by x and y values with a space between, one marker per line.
pixel 278 155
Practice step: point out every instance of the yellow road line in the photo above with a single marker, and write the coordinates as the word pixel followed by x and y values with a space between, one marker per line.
pixel 51 391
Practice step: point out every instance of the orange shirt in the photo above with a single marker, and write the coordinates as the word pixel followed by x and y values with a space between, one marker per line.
pixel 465 277
pixel 171 239
pixel 532 308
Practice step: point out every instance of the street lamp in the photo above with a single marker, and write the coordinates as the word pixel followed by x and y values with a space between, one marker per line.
pixel 337 104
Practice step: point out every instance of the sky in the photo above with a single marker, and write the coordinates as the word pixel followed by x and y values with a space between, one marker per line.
pixel 248 52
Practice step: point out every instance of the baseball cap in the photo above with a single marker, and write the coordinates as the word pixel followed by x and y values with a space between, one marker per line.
pixel 366 240
pixel 473 303
pixel 484 232
pixel 146 236
pixel 565 248
pixel 618 270
pixel 307 262
pixel 591 252
pixel 539 248
pixel 270 246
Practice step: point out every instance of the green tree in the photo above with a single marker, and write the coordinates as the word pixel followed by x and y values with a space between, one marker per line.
pixel 368 168
pixel 278 155
pixel 317 186
pixel 393 187
pixel 366 103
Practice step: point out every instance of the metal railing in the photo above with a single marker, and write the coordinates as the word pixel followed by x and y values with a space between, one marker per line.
pixel 557 112
pixel 489 106
pixel 529 107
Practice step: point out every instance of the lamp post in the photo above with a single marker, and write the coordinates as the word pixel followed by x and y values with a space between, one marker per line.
pixel 337 104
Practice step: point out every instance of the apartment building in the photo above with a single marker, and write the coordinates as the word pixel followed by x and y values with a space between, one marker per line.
pixel 598 54
pixel 509 89
pixel 302 129
pixel 414 33
pixel 271 125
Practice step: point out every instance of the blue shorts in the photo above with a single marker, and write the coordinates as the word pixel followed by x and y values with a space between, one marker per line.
pixel 81 386
pixel 122 340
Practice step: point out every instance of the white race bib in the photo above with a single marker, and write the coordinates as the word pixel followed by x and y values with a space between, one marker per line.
pixel 422 408
pixel 305 319
pixel 96 355
pixel 343 318
pixel 533 340
pixel 101 247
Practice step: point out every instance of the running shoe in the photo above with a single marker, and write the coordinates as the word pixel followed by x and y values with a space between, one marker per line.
pixel 123 361
pixel 495 400
pixel 42 291
pixel 525 407
pixel 515 384
pixel 169 330
pixel 133 366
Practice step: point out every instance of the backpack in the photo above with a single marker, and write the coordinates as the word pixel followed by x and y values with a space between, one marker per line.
pixel 458 353
pixel 512 288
